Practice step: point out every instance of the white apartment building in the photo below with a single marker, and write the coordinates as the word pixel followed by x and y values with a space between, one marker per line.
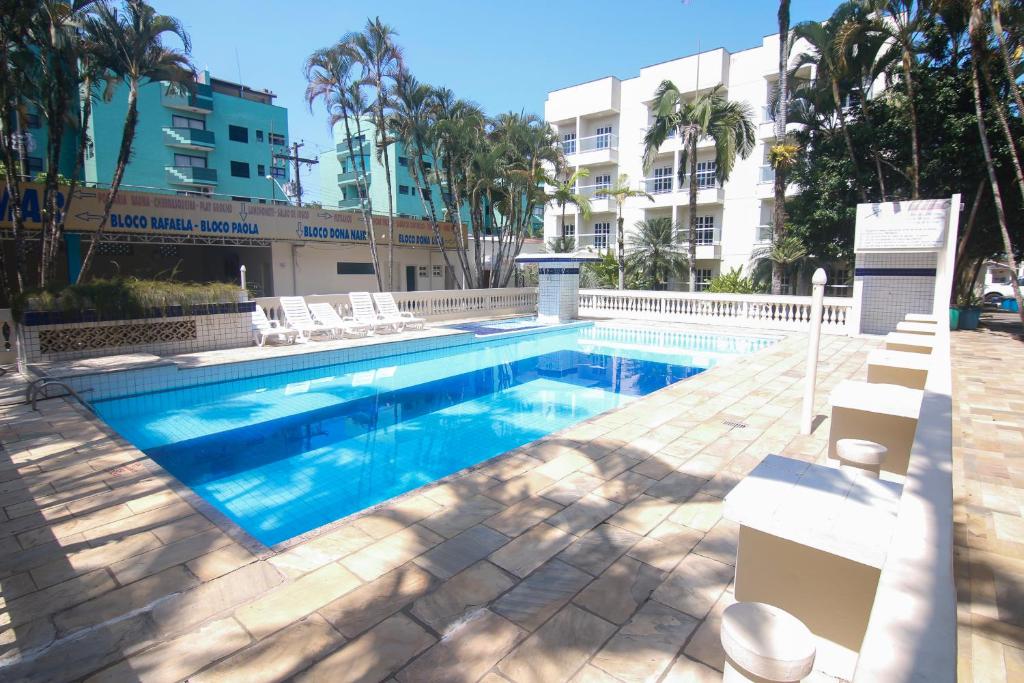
pixel 602 124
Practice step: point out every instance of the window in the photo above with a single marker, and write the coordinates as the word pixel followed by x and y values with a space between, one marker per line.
pixel 240 169
pixel 435 271
pixel 706 174
pixel 35 165
pixel 841 277
pixel 238 134
pixel 261 170
pixel 187 122
pixel 425 193
pixel 275 138
pixel 422 271
pixel 569 143
pixel 702 278
pixel 277 172
pixel 705 230
pixel 427 167
pixel 785 283
pixel 241 199
pixel 662 180
pixel 602 181
pixel 403 161
pixel 601 232
pixel 604 137
pixel 403 189
pixel 189 160
pixel 259 136
pixel 569 230
pixel 350 268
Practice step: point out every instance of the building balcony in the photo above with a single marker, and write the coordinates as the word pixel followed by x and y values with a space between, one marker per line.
pixel 594 149
pixel 189 138
pixel 191 175
pixel 349 177
pixel 763 234
pixel 357 147
pixel 200 102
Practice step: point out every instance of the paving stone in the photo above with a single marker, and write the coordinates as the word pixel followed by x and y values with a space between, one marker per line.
pixel 77 562
pixel 666 545
pixel 465 653
pixel 688 671
pixel 676 487
pixel 278 656
pixel 447 559
pixel 220 562
pixel 292 601
pixel 183 528
pixel 532 549
pixel 521 516
pixel 505 467
pixel 621 589
pixel 591 674
pixel 215 597
pixel 573 487
pixel 321 550
pixel 584 514
pixel 156 560
pixel 558 648
pixel 720 543
pixel 457 491
pixel 541 594
pixel 658 466
pixel 625 487
pixel 452 521
pixel 519 487
pixel 373 656
pixel 121 601
pixel 564 465
pixel 644 648
pixel 643 514
pixel 392 551
pixel 470 589
pixel 611 465
pixel 27 637
pixel 371 603
pixel 699 512
pixel 598 548
pixel 56 598
pixel 133 524
pixel 176 659
pixel 396 516
pixel 706 644
pixel 695 585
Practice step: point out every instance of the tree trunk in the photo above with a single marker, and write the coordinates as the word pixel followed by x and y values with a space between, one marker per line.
pixel 1004 123
pixel 994 181
pixel 428 206
pixel 1011 78
pixel 837 98
pixel 362 187
pixel 908 73
pixel 965 236
pixel 131 120
pixel 383 147
pixel 781 116
pixel 692 246
pixel 622 252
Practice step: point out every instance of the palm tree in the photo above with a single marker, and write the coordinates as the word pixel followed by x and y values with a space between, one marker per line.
pixel 331 77
pixel 781 119
pixel 620 192
pixel 654 252
pixel 782 254
pixel 381 60
pixel 708 114
pixel 1004 51
pixel 979 44
pixel 565 193
pixel 898 22
pixel 131 47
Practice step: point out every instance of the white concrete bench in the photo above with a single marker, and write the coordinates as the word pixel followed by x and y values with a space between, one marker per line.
pixel 907 327
pixel 884 413
pixel 812 541
pixel 898 367
pixel 914 343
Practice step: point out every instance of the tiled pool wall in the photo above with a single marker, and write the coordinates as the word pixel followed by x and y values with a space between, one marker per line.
pixel 166 376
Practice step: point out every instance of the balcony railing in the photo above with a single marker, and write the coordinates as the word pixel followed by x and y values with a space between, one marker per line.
pixel 346 177
pixel 189 138
pixel 767 115
pixel 764 233
pixel 659 185
pixel 201 101
pixel 767 174
pixel 191 175
pixel 358 147
pixel 592 191
pixel 592 143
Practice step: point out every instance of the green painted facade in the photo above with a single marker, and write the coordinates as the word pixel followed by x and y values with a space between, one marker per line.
pixel 219 140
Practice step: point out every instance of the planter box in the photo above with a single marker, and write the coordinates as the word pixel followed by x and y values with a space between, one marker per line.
pixel 57 336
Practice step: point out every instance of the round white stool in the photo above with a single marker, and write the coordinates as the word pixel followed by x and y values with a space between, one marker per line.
pixel 765 643
pixel 865 457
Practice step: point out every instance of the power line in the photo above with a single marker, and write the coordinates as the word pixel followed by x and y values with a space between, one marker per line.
pixel 296 159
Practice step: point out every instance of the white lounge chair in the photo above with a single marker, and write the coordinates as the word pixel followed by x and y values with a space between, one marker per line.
pixel 386 305
pixel 263 328
pixel 325 314
pixel 296 314
pixel 364 312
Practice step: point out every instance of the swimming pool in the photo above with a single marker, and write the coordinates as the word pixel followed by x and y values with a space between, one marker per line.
pixel 282 454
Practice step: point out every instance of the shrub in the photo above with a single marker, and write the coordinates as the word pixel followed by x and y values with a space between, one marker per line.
pixel 125 297
pixel 733 282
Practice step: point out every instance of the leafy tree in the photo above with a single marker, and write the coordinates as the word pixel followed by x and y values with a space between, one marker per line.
pixel 654 253
pixel 620 192
pixel 734 282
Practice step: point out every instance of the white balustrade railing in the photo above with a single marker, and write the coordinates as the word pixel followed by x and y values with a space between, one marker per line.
pixel 755 311
pixel 442 304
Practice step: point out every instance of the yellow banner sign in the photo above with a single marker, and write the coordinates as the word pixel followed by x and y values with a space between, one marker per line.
pixel 147 213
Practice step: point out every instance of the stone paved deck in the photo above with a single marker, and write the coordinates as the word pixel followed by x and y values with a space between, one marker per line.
pixel 596 554
pixel 988 478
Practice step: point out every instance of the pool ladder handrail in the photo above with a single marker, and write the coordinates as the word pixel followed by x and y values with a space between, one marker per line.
pixel 38 386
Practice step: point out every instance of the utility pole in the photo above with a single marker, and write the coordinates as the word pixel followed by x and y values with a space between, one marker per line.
pixel 296 159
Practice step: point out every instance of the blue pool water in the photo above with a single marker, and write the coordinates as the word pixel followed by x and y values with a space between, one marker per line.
pixel 286 453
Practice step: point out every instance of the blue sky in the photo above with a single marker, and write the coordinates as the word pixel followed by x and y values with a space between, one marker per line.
pixel 506 56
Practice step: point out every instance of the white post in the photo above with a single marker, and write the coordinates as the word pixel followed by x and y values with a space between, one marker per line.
pixel 241 272
pixel 813 343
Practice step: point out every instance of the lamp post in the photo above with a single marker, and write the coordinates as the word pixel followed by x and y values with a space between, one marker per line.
pixel 817 295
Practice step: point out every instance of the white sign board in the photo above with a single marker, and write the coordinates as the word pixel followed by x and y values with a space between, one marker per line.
pixel 918 225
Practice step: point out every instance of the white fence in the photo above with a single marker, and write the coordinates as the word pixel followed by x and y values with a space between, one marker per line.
pixel 443 304
pixel 756 311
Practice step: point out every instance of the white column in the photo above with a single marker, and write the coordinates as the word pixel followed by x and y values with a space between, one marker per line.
pixel 813 344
